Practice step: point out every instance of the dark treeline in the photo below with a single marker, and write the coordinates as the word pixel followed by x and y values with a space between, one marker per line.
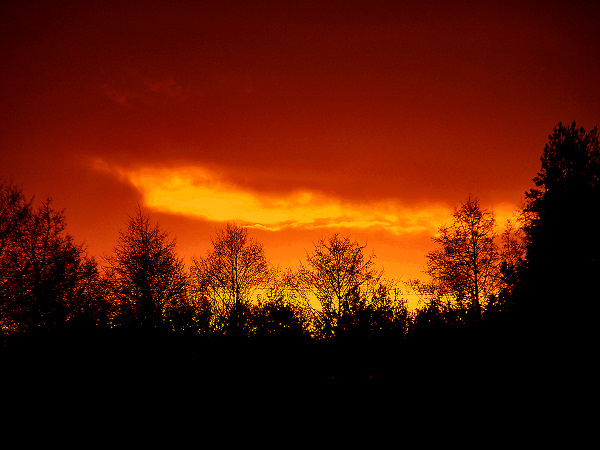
pixel 496 301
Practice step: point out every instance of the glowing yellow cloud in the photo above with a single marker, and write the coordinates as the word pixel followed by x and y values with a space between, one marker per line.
pixel 199 192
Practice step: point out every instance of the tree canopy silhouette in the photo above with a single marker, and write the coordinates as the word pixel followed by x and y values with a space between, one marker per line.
pixel 230 274
pixel 563 244
pixel 468 262
pixel 145 277
pixel 45 278
pixel 339 275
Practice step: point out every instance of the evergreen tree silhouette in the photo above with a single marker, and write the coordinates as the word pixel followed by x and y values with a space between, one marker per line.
pixel 562 264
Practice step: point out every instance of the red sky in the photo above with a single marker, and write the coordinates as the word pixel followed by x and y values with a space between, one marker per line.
pixel 369 118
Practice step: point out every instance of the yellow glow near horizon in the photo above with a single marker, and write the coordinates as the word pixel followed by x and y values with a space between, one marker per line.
pixel 198 192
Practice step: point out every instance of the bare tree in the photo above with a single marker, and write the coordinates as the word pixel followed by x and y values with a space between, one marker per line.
pixel 14 209
pixel 230 274
pixel 45 278
pixel 337 274
pixel 467 264
pixel 144 275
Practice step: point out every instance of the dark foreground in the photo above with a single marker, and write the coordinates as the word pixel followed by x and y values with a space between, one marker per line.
pixel 97 383
pixel 151 379
pixel 150 363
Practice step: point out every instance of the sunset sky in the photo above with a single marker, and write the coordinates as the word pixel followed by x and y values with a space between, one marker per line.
pixel 300 119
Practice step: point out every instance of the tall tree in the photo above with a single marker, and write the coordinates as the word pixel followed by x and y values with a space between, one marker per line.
pixel 45 278
pixel 563 244
pixel 338 274
pixel 466 266
pixel 230 274
pixel 145 276
pixel 13 211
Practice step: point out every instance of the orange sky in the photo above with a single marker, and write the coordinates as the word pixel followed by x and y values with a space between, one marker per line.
pixel 369 118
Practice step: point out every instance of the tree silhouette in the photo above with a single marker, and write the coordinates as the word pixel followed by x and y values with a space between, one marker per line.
pixel 378 313
pixel 229 275
pixel 467 264
pixel 280 313
pixel 13 211
pixel 563 244
pixel 45 278
pixel 144 276
pixel 512 256
pixel 192 317
pixel 437 309
pixel 338 275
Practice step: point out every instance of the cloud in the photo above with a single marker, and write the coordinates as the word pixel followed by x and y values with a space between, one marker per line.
pixel 167 87
pixel 134 89
pixel 197 191
pixel 121 96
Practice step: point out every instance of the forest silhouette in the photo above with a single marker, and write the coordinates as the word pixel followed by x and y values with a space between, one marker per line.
pixel 497 305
